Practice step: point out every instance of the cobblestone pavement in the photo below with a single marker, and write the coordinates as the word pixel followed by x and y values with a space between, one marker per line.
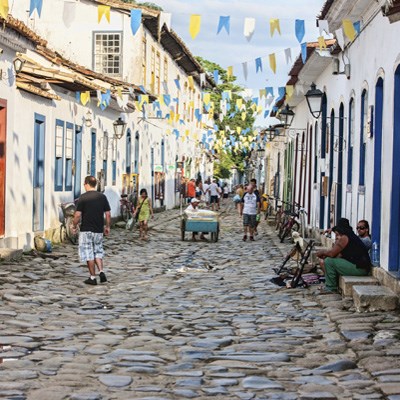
pixel 182 320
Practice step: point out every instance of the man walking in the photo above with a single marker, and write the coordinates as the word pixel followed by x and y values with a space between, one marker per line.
pixel 90 210
pixel 249 208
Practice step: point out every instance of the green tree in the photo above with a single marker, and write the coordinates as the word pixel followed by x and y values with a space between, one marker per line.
pixel 230 157
pixel 147 4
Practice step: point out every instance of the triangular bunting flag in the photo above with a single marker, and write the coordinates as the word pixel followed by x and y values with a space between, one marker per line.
pixel 103 10
pixel 4 8
pixel 288 55
pixel 249 27
pixel 224 22
pixel 340 38
pixel 216 76
pixel 85 97
pixel 229 72
pixel 348 29
pixel 35 5
pixel 323 26
pixel 272 62
pixel 136 20
pixel 202 79
pixel 164 19
pixel 300 29
pixel 245 70
pixel 304 52
pixel 258 64
pixel 194 25
pixel 274 25
pixel 321 43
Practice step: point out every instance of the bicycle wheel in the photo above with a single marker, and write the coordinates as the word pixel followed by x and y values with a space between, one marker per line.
pixel 296 227
pixel 63 233
pixel 71 235
pixel 125 214
pixel 285 234
pixel 278 219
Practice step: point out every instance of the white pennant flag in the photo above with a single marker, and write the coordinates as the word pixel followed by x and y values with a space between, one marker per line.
pixel 323 25
pixel 249 27
pixel 221 117
pixel 288 55
pixel 324 53
pixel 165 86
pixel 69 12
pixel 203 79
pixel 269 100
pixel 340 38
pixel 165 18
pixel 245 70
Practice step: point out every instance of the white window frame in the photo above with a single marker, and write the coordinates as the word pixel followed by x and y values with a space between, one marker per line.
pixel 106 59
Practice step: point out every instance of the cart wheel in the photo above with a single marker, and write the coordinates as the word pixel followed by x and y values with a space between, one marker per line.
pixel 214 235
pixel 183 230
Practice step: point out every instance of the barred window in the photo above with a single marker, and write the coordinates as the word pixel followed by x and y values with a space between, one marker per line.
pixel 108 53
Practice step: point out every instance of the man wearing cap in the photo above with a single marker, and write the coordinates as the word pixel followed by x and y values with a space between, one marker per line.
pixel 192 207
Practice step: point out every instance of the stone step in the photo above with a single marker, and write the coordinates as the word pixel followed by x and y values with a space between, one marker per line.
pixel 346 283
pixel 10 254
pixel 374 298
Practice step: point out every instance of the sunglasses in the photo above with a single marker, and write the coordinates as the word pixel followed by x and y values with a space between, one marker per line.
pixel 361 227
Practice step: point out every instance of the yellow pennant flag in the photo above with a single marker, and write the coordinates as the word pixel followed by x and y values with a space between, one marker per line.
pixel 187 132
pixel 177 117
pixel 239 103
pixel 274 25
pixel 253 107
pixel 145 99
pixel 272 62
pixel 4 8
pixel 229 72
pixel 194 26
pixel 191 82
pixel 244 115
pixel 348 29
pixel 85 97
pixel 289 91
pixel 238 129
pixel 322 43
pixel 191 104
pixel 172 115
pixel 263 93
pixel 136 105
pixel 259 109
pixel 168 132
pixel 119 92
pixel 183 138
pixel 103 10
pixel 206 98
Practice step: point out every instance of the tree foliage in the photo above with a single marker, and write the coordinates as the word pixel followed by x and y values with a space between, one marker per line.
pixel 230 156
pixel 147 4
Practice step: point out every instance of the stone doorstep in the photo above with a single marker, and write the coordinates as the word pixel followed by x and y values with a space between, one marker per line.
pixel 374 298
pixel 346 283
pixel 10 254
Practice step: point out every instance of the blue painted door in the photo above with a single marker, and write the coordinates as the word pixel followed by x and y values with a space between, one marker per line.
pixel 152 173
pixel 128 151
pixel 38 173
pixel 93 154
pixel 394 237
pixel 340 164
pixel 78 162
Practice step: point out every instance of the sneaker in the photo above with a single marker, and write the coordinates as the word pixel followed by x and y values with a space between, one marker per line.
pixel 251 238
pixel 90 281
pixel 103 277
pixel 244 238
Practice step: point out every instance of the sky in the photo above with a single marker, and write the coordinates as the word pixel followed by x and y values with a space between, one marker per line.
pixel 234 49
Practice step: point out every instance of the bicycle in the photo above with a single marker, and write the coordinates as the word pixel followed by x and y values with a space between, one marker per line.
pixel 292 223
pixel 126 207
pixel 67 229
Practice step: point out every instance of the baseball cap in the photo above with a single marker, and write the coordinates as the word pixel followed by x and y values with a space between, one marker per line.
pixel 194 200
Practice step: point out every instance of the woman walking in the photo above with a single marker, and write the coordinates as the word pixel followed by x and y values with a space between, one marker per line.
pixel 143 212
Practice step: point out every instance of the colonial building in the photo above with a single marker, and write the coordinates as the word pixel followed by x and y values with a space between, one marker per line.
pixel 62 97
pixel 348 164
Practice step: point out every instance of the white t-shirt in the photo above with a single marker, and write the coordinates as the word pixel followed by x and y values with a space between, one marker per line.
pixel 226 189
pixel 213 189
pixel 250 203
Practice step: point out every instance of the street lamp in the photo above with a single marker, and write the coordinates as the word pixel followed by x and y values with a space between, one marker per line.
pixel 119 128
pixel 270 132
pixel 18 65
pixel 314 100
pixel 287 116
pixel 88 119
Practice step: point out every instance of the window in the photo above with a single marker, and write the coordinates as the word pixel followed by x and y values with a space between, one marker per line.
pixel 128 155
pixel 165 75
pixel 153 69
pixel 108 53
pixel 144 61
pixel 69 134
pixel 105 156
pixel 136 160
pixel 59 152
pixel 158 73
pixel 114 161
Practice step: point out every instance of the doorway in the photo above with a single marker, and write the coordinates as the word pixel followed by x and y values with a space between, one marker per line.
pixel 3 135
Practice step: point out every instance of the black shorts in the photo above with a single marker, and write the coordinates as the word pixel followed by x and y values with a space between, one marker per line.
pixel 225 195
pixel 213 199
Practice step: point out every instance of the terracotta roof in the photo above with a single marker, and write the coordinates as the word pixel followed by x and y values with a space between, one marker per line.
pixel 21 28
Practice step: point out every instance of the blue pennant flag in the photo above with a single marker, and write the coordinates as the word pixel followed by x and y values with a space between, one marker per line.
pixel 156 105
pixel 258 64
pixel 35 4
pixel 281 93
pixel 269 90
pixel 105 99
pixel 300 29
pixel 216 76
pixel 78 96
pixel 357 27
pixel 178 84
pixel 142 88
pixel 197 114
pixel 136 20
pixel 266 113
pixel 275 109
pixel 224 22
pixel 182 122
pixel 207 107
pixel 176 132
pixel 255 100
pixel 304 52
pixel 228 107
pixel 225 95
pixel 167 116
pixel 232 115
pixel 167 99
pixel 159 114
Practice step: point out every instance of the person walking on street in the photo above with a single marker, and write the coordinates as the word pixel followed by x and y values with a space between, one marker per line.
pixel 257 193
pixel 142 213
pixel 91 208
pixel 191 190
pixel 249 208
pixel 213 190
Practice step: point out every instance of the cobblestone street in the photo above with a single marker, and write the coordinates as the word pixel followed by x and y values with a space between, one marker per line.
pixel 181 320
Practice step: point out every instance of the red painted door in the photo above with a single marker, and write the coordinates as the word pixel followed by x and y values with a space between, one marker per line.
pixel 3 130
